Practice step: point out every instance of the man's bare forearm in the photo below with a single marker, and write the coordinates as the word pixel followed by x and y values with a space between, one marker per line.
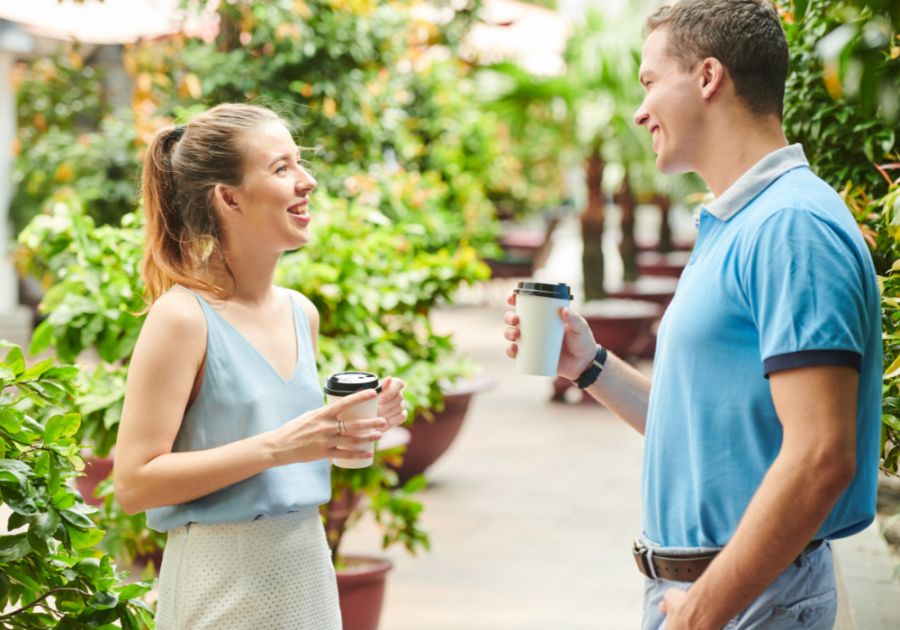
pixel 783 517
pixel 623 390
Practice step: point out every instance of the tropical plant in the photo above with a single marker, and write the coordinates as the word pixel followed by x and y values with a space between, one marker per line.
pixel 854 150
pixel 588 110
pixel 842 138
pixel 50 574
pixel 853 51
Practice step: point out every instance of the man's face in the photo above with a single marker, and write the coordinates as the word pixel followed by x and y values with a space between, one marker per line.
pixel 672 106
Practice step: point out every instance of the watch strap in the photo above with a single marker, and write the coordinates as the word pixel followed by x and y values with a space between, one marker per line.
pixel 590 375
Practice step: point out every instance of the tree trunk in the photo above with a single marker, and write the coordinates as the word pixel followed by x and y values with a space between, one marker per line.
pixel 628 246
pixel 592 220
pixel 664 202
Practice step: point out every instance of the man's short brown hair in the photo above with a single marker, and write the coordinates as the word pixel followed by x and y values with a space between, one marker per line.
pixel 746 36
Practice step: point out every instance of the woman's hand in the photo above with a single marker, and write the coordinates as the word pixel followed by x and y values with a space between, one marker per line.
pixel 390 403
pixel 314 435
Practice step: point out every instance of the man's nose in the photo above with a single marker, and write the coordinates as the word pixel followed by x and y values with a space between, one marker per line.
pixel 640 117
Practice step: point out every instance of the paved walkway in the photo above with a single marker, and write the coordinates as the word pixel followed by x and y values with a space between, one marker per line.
pixel 531 511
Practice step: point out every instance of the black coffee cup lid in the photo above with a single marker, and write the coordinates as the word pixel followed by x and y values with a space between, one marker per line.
pixel 346 383
pixel 559 291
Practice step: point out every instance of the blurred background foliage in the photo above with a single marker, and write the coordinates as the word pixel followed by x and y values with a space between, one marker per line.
pixel 842 104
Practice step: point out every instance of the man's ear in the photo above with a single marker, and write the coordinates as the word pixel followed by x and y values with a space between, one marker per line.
pixel 712 77
pixel 225 201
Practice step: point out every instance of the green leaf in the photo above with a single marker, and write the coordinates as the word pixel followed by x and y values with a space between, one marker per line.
pixel 41 338
pixel 45 523
pixel 103 599
pixel 53 479
pixel 13 547
pixel 32 426
pixel 76 519
pixel 133 591
pixel 64 498
pixel 6 374
pixel 91 568
pixel 891 421
pixel 72 424
pixel 85 539
pixel 55 427
pixel 16 521
pixel 24 506
pixel 65 372
pixel 14 355
pixel 42 464
pixel 4 585
pixel 36 370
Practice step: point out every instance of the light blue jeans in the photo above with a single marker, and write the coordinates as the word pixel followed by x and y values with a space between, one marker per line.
pixel 804 596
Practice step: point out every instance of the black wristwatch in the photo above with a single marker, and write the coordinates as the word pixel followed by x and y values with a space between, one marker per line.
pixel 590 375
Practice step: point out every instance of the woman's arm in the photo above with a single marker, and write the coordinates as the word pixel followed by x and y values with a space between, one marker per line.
pixel 165 363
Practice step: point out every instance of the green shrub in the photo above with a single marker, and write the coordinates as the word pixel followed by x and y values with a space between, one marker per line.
pixel 50 575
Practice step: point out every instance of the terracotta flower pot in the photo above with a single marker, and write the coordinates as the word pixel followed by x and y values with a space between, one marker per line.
pixel 653 245
pixel 668 265
pixel 361 591
pixel 650 289
pixel 429 439
pixel 96 469
pixel 620 326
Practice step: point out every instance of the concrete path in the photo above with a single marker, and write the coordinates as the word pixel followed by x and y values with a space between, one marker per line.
pixel 532 510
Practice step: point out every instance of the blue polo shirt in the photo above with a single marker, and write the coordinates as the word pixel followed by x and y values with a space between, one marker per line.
pixel 780 277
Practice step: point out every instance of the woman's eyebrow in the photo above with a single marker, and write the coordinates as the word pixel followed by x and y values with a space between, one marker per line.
pixel 283 156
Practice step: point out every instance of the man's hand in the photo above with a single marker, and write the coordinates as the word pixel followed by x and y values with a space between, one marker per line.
pixel 578 349
pixel 670 605
pixel 817 409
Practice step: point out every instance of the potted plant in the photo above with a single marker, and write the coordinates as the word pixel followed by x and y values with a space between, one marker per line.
pixel 50 574
pixel 361 579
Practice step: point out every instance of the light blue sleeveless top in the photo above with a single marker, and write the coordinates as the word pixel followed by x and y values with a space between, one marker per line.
pixel 241 396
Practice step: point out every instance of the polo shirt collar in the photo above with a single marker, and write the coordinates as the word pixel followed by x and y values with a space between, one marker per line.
pixel 756 180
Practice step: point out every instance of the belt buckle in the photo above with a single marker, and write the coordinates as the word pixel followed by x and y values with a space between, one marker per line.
pixel 640 556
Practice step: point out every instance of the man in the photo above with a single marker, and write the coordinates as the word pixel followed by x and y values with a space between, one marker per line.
pixel 762 418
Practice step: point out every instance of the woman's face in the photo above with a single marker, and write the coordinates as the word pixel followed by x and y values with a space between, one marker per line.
pixel 271 207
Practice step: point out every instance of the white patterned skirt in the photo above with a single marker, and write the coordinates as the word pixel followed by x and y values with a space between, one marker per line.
pixel 273 574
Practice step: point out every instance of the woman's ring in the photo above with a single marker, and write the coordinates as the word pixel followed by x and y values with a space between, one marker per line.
pixel 340 424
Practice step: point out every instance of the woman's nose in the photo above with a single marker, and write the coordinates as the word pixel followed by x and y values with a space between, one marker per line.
pixel 306 181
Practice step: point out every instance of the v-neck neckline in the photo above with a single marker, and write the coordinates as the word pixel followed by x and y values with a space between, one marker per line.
pixel 255 349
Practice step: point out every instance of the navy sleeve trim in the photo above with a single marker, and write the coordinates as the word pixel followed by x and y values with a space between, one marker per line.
pixel 806 358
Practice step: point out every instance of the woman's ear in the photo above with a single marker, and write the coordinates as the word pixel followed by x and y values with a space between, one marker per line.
pixel 225 201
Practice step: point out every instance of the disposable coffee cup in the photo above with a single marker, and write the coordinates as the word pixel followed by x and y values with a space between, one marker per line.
pixel 541 328
pixel 343 384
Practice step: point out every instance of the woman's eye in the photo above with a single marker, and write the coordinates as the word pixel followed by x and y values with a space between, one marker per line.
pixel 281 169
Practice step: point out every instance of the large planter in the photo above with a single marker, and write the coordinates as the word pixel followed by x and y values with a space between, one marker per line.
pixel 361 591
pixel 653 245
pixel 658 290
pixel 96 470
pixel 620 326
pixel 429 439
pixel 667 265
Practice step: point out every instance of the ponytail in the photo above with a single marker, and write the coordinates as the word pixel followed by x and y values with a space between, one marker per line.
pixel 182 168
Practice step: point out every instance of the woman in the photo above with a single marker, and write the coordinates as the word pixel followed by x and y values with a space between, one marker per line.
pixel 224 440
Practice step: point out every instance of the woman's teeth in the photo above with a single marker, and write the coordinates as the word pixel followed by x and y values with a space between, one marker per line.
pixel 655 133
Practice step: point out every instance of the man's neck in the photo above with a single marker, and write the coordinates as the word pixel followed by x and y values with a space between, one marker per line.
pixel 731 150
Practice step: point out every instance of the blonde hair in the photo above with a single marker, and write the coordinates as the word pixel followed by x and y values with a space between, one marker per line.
pixel 183 166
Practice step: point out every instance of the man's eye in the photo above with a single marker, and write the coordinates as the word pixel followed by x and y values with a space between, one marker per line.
pixel 281 169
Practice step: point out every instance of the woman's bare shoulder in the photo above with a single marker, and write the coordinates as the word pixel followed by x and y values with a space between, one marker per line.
pixel 177 313
pixel 306 304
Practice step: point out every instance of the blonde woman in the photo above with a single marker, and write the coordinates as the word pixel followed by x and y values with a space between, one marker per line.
pixel 224 439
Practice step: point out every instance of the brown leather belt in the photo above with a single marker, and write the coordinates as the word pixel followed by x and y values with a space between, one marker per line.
pixel 686 568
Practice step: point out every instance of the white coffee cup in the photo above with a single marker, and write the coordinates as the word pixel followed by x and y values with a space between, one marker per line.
pixel 343 384
pixel 541 328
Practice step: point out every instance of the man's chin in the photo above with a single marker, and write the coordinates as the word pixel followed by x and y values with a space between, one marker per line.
pixel 671 167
